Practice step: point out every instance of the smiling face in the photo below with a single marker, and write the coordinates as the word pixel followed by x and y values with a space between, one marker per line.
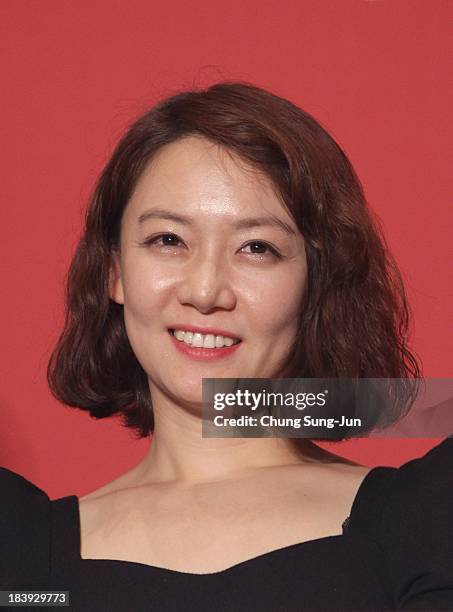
pixel 191 256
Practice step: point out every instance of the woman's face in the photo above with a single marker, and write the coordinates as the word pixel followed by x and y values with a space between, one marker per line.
pixel 207 243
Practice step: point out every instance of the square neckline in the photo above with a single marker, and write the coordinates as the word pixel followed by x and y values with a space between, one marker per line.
pixel 72 504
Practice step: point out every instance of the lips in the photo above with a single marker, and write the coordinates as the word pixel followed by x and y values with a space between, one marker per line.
pixel 199 353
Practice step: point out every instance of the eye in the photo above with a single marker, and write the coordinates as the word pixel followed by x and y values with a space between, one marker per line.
pixel 171 241
pixel 163 240
pixel 258 248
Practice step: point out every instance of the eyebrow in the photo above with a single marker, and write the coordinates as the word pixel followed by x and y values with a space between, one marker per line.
pixel 244 223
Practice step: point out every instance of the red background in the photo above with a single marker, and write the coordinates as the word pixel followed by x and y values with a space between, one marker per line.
pixel 73 74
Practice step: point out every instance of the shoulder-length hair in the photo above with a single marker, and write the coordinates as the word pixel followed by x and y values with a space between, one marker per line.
pixel 354 317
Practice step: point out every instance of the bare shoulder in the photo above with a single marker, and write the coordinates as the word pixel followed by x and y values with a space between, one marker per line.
pixel 338 479
pixel 99 508
pixel 335 482
pixel 133 521
pixel 122 482
pixel 321 471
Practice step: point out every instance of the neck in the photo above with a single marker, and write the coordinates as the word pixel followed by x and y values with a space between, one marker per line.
pixel 179 453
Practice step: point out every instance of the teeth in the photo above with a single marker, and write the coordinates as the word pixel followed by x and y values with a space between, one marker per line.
pixel 197 340
pixel 203 341
pixel 209 341
pixel 188 337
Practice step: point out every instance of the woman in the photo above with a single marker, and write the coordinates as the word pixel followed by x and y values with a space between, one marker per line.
pixel 228 236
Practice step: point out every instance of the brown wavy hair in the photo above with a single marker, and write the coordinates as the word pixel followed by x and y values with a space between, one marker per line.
pixel 354 317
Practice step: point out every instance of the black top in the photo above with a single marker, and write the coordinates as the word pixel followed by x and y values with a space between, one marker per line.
pixel 396 552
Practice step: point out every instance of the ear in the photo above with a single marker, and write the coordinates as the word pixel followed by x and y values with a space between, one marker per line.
pixel 115 283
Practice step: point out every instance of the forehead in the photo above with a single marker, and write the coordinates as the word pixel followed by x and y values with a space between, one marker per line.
pixel 201 177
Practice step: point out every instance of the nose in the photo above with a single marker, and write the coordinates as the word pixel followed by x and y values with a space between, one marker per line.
pixel 206 284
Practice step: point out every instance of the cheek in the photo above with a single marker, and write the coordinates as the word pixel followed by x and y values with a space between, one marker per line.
pixel 274 303
pixel 146 293
pixel 144 289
